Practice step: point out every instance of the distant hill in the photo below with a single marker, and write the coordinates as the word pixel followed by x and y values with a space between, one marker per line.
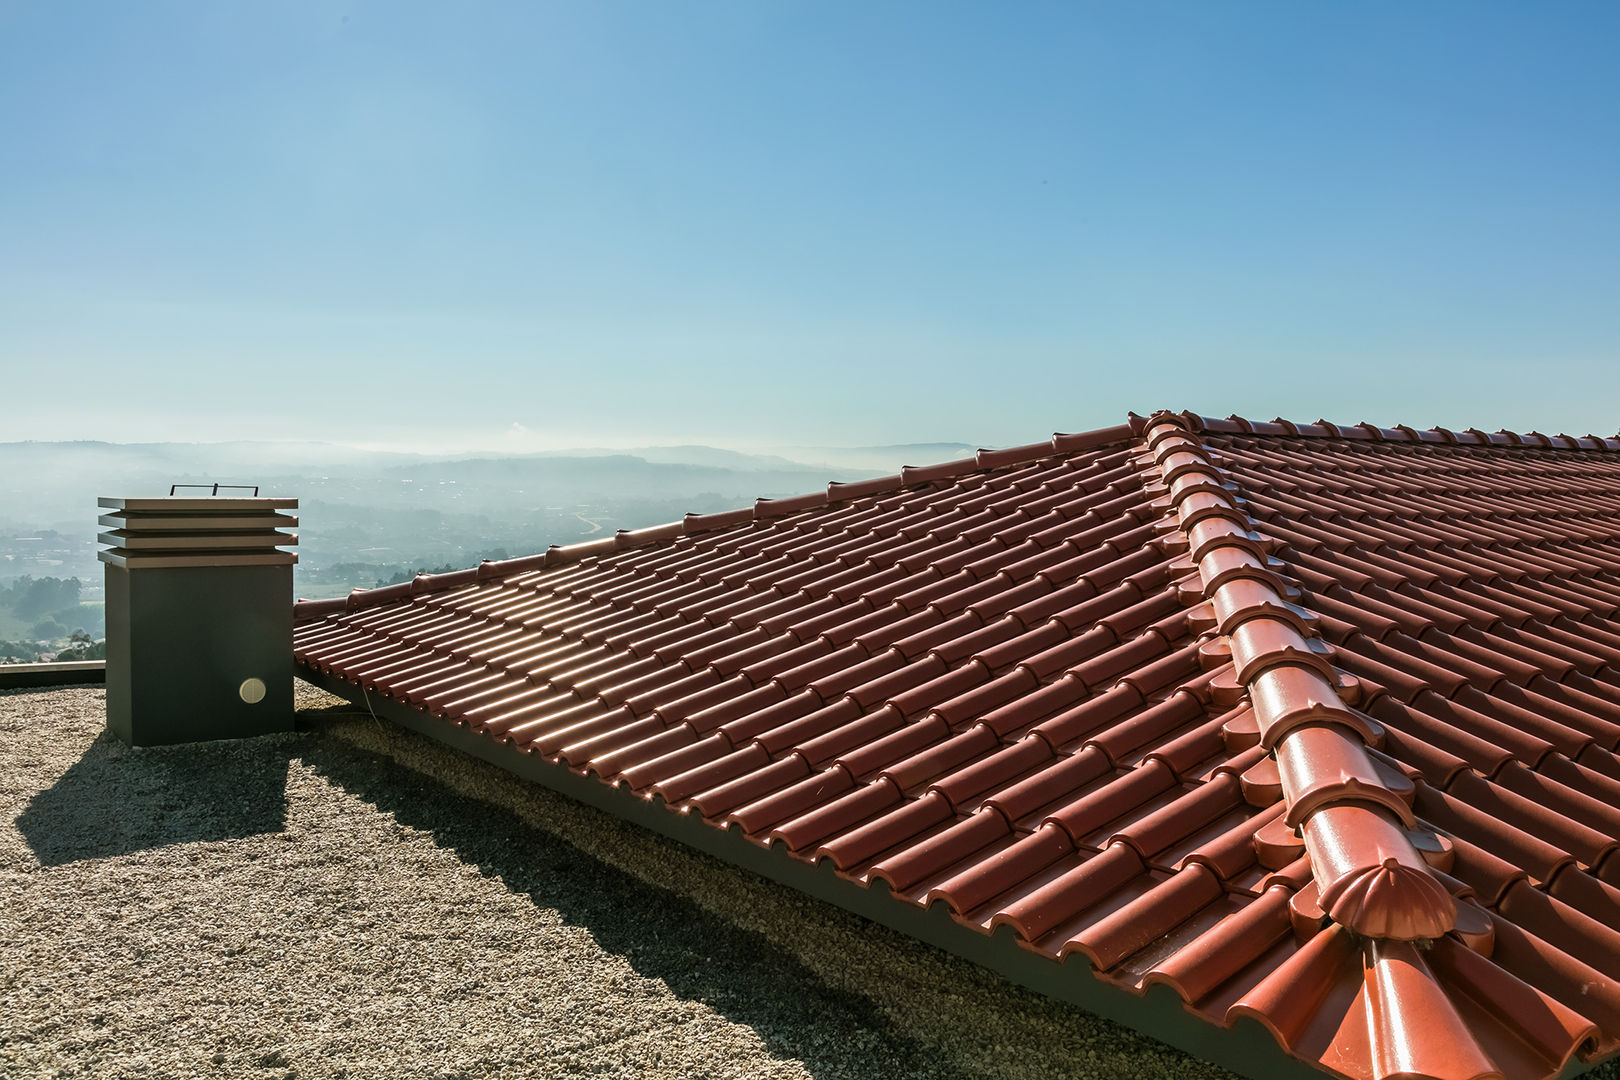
pixel 879 460
pixel 494 481
pixel 868 460
pixel 55 484
pixel 690 455
pixel 367 515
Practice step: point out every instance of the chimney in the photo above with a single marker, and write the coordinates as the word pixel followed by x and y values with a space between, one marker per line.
pixel 199 617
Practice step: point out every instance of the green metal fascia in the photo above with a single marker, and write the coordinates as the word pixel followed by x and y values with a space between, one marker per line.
pixel 63 673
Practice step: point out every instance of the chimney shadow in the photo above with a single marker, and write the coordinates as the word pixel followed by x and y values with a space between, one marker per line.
pixel 118 799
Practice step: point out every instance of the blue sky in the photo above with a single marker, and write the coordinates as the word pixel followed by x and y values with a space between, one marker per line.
pixel 513 226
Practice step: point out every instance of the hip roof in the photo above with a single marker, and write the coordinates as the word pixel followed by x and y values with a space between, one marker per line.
pixel 1314 726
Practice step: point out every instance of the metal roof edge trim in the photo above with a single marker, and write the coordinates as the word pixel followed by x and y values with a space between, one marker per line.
pixel 692 524
pixel 52 673
pixel 1158 1014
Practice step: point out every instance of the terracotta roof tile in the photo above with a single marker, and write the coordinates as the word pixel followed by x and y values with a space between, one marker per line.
pixel 1314 725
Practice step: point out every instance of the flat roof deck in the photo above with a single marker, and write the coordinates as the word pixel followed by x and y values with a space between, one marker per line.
pixel 357 900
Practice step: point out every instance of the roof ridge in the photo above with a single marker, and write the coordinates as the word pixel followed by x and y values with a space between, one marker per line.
pixel 1376 898
pixel 1369 875
pixel 1366 432
pixel 763 510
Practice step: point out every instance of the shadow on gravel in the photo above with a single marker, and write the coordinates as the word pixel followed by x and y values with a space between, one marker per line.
pixel 741 974
pixel 117 799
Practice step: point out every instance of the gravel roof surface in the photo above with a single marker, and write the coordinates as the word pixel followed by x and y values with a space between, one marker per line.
pixel 355 900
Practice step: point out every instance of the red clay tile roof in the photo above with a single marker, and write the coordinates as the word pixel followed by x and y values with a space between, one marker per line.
pixel 1313 725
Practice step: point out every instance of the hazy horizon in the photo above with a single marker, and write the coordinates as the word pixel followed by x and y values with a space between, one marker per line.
pixel 538 446
pixel 368 518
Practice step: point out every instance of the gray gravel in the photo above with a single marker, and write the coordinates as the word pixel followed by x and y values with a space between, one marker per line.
pixel 357 901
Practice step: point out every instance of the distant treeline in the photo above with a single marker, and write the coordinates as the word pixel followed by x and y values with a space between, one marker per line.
pixel 34 610
pixel 29 598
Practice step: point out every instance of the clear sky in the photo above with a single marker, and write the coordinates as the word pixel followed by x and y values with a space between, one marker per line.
pixel 452 225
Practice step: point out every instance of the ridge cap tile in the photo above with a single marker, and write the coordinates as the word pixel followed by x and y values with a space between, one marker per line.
pixel 1369 898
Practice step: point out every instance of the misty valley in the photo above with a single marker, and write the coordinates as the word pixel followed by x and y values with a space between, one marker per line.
pixel 370 518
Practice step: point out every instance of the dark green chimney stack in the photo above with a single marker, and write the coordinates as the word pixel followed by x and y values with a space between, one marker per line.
pixel 199 618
